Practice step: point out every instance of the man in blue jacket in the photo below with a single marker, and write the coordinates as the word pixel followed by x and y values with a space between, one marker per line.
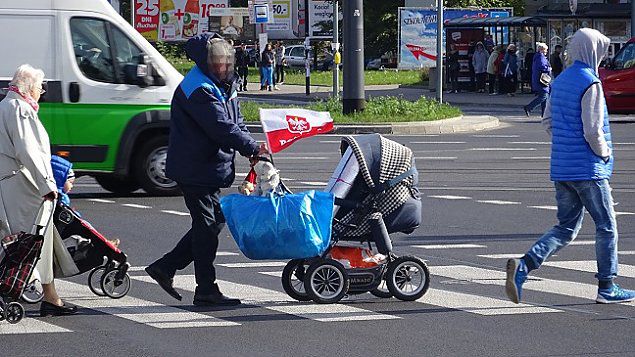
pixel 206 129
pixel 576 117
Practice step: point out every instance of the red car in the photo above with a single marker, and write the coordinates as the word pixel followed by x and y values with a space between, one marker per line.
pixel 618 80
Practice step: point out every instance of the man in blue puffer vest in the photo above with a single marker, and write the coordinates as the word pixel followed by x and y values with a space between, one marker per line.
pixel 206 129
pixel 581 166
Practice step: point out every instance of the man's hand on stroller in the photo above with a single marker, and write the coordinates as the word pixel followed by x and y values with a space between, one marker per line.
pixel 263 150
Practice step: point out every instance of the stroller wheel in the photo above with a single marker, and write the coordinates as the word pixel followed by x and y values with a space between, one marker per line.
pixel 326 281
pixel 293 279
pixel 382 291
pixel 14 312
pixel 113 287
pixel 408 278
pixel 94 280
pixel 33 292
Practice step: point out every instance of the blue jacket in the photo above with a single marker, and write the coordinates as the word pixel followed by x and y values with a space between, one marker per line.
pixel 61 167
pixel 512 60
pixel 572 159
pixel 206 126
pixel 540 65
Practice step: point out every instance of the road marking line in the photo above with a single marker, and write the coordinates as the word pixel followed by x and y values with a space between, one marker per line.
pixel 437 142
pixel 448 246
pixel 582 242
pixel 178 213
pixel 530 142
pixel 501 256
pixel 502 149
pixel 626 252
pixel 495 277
pixel 531 158
pixel 329 141
pixel 314 183
pixel 590 266
pixel 435 158
pixel 253 265
pixel 303 158
pixel 134 205
pixel 624 213
pixel 277 301
pixel 450 197
pixel 28 326
pixel 551 208
pixel 138 310
pixel 497 202
pixel 480 305
pixel 495 136
pixel 99 200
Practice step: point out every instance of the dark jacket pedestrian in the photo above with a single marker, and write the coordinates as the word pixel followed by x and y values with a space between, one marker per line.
pixel 242 67
pixel 206 130
pixel 510 70
pixel 453 68
pixel 556 61
pixel 479 63
pixel 267 62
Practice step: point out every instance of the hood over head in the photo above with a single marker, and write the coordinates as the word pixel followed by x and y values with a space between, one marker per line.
pixel 588 46
pixel 198 50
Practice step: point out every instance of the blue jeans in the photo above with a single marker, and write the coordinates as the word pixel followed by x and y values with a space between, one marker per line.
pixel 267 76
pixel 573 197
pixel 541 99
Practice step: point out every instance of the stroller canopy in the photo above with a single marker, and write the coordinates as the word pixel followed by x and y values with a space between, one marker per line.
pixel 386 183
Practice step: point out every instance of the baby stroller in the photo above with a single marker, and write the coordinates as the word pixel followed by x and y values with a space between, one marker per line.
pixel 375 189
pixel 90 250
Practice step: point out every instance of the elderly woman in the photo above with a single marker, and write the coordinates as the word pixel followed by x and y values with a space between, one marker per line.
pixel 541 88
pixel 26 181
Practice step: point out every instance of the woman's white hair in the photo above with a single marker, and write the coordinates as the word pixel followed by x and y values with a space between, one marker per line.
pixel 27 78
pixel 541 46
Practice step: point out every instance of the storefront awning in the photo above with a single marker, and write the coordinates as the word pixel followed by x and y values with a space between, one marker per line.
pixel 514 21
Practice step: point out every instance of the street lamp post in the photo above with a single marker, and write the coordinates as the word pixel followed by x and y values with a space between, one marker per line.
pixel 336 48
pixel 354 97
pixel 440 51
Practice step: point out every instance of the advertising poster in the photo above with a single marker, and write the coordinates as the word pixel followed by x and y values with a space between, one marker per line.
pixel 173 20
pixel 232 23
pixel 321 19
pixel 418 33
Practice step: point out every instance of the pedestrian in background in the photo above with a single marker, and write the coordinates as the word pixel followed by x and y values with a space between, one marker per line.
pixel 492 69
pixel 242 66
pixel 206 131
pixel 453 68
pixel 527 67
pixel 479 62
pixel 510 65
pixel 556 61
pixel 540 79
pixel 27 186
pixel 280 62
pixel 267 60
pixel 470 54
pixel 577 120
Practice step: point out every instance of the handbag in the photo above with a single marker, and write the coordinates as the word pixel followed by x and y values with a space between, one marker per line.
pixel 21 253
pixel 545 79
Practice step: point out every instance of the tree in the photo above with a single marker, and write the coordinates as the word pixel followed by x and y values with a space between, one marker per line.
pixel 518 5
pixel 380 26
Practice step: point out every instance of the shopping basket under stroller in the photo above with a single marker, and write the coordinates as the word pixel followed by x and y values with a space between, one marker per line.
pixel 375 189
pixel 91 251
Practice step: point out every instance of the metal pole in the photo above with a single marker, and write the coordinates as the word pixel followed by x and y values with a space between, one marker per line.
pixel 307 42
pixel 354 98
pixel 440 51
pixel 336 48
pixel 632 18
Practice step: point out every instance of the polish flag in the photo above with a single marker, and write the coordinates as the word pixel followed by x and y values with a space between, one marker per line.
pixel 282 127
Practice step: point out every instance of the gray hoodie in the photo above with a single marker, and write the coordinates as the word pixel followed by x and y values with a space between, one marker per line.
pixel 588 46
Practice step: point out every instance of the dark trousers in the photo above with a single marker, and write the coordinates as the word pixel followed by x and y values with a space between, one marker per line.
pixel 200 243
pixel 242 76
pixel 511 83
pixel 454 79
pixel 480 80
pixel 279 73
pixel 492 83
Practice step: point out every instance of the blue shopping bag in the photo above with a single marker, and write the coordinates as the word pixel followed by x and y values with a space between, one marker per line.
pixel 280 226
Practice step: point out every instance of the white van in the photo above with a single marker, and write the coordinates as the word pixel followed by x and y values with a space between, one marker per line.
pixel 108 91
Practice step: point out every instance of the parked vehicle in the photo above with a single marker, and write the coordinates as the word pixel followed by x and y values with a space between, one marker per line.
pixel 296 58
pixel 618 80
pixel 107 101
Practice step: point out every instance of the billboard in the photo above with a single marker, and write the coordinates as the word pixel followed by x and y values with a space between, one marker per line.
pixel 232 23
pixel 418 33
pixel 173 20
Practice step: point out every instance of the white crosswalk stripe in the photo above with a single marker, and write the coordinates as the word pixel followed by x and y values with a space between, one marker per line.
pixel 138 310
pixel 277 301
pixel 448 246
pixel 29 326
pixel 480 305
pixel 590 266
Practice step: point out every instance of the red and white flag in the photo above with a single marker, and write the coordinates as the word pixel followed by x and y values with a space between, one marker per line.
pixel 283 127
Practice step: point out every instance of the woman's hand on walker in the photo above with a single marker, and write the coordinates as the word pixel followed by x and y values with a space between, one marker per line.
pixel 51 196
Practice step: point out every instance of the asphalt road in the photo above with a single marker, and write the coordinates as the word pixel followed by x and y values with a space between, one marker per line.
pixel 486 196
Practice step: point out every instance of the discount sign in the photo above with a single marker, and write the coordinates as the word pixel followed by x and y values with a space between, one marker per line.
pixel 146 18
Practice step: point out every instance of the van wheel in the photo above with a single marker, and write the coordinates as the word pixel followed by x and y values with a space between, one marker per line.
pixel 150 168
pixel 117 185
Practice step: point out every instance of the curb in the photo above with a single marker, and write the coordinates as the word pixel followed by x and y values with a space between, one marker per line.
pixel 445 126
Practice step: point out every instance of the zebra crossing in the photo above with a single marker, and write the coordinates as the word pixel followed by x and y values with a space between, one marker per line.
pixel 453 289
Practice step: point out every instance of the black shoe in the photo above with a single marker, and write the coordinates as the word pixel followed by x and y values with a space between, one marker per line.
pixel 48 309
pixel 163 280
pixel 526 111
pixel 215 299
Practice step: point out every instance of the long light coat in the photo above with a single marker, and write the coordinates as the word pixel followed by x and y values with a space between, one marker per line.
pixel 25 177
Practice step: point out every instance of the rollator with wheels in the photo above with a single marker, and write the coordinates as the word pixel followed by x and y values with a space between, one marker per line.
pixel 91 251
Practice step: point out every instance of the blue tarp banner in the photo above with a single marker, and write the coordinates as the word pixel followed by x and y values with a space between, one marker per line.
pixel 289 226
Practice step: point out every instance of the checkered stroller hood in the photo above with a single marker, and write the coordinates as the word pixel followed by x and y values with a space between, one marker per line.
pixel 386 184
